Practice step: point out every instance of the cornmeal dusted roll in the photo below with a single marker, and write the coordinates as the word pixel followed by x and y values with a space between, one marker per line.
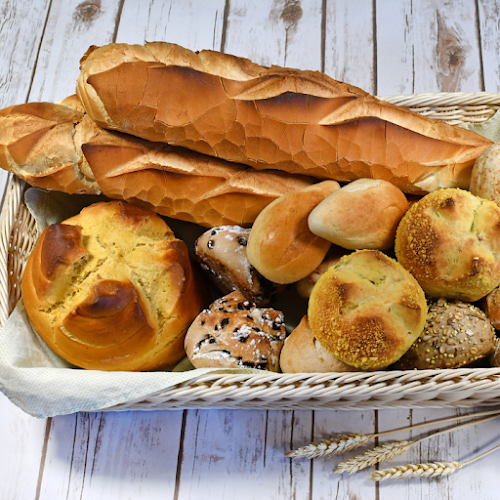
pixel 367 310
pixel 234 333
pixel 450 242
pixel 456 334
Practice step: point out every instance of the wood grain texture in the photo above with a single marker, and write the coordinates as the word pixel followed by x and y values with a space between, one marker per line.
pixel 71 28
pixel 427 46
pixel 489 32
pixel 22 439
pixel 386 47
pixel 194 24
pixel 280 32
pixel 349 43
pixel 112 455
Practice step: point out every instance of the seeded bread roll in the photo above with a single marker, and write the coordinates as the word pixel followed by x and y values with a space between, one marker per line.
pixel 491 306
pixel 450 241
pixel 222 253
pixel 281 246
pixel 367 310
pixel 362 214
pixel 113 289
pixel 234 333
pixel 455 334
pixel 303 353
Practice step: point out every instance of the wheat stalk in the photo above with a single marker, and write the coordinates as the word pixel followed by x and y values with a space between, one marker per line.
pixel 327 448
pixel 390 450
pixel 373 456
pixel 435 469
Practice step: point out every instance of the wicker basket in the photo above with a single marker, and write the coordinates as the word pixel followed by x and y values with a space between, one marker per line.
pixel 463 387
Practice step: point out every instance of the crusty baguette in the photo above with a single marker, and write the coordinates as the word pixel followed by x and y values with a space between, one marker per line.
pixel 57 147
pixel 297 121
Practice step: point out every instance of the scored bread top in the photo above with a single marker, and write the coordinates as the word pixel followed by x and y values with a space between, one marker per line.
pixel 297 121
pixel 113 289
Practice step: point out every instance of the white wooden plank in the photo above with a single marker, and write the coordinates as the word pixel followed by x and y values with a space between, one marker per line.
pixel 349 43
pixel 489 13
pixel 104 456
pixel 22 438
pixel 429 46
pixel 240 454
pixel 325 484
pixel 194 24
pixel 281 32
pixel 21 30
pixel 71 29
pixel 461 445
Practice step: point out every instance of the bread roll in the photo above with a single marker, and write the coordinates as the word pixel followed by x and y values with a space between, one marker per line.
pixel 222 253
pixel 55 146
pixel 455 334
pixel 362 214
pixel 305 285
pixel 367 310
pixel 485 178
pixel 233 333
pixel 450 242
pixel 113 289
pixel 491 305
pixel 302 353
pixel 280 118
pixel 281 246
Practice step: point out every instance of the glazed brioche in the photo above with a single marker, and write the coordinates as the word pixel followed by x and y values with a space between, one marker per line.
pixel 55 146
pixel 113 289
pixel 296 121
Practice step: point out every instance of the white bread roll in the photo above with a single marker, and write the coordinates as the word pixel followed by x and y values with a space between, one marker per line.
pixel 362 214
pixel 281 246
pixel 302 353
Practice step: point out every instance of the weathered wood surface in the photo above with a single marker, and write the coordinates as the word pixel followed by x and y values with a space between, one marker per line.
pixel 385 47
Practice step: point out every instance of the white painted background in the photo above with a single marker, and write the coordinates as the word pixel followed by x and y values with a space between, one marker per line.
pixel 384 46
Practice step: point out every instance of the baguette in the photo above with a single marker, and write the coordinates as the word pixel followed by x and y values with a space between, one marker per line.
pixel 301 122
pixel 56 146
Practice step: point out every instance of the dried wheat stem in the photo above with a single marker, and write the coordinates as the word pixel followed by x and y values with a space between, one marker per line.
pixel 373 456
pixel 329 447
pixel 390 450
pixel 436 469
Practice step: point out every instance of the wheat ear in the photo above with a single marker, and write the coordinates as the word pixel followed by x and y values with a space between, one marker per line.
pixel 327 448
pixel 391 450
pixel 435 469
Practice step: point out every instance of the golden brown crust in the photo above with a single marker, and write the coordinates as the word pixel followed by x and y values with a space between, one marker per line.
pixel 362 214
pixel 54 146
pixel 113 289
pixel 303 353
pixel 450 241
pixel 281 246
pixel 367 310
pixel 296 121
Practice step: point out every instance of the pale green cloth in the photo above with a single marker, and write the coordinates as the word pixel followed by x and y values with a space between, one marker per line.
pixel 40 382
pixel 43 384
